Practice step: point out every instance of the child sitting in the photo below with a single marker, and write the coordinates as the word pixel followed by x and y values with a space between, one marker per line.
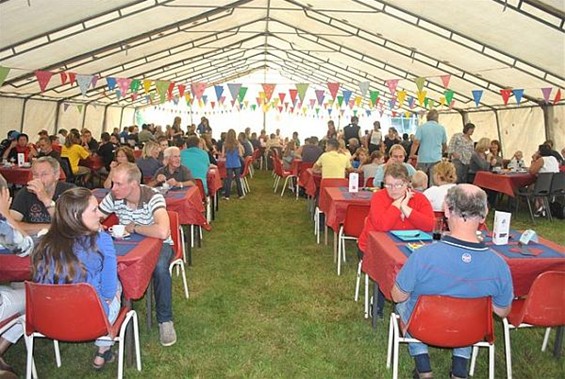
pixel 419 181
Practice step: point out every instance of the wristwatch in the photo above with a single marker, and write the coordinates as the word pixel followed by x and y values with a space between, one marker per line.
pixel 51 204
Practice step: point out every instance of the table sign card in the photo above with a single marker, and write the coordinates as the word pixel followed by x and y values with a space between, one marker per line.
pixel 21 159
pixel 501 228
pixel 528 236
pixel 353 182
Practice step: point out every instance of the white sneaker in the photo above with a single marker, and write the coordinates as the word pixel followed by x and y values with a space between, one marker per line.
pixel 167 333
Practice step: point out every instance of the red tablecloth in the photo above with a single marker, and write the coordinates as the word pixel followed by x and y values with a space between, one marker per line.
pixel 214 181
pixel 186 202
pixel 21 175
pixel 311 181
pixel 222 167
pixel 507 183
pixel 134 268
pixel 334 201
pixel 383 260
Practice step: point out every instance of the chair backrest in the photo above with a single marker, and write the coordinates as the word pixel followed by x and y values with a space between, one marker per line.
pixel 334 182
pixel 355 219
pixel 200 186
pixel 545 304
pixel 247 162
pixel 446 321
pixel 111 220
pixel 175 235
pixel 558 183
pixel 543 184
pixel 66 167
pixel 369 181
pixel 65 312
pixel 303 166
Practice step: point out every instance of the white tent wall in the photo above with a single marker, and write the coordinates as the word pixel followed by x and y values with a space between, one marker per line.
pixel 128 118
pixel 94 120
pixel 39 115
pixel 113 119
pixel 10 115
pixel 453 122
pixel 485 125
pixel 557 126
pixel 70 118
pixel 521 129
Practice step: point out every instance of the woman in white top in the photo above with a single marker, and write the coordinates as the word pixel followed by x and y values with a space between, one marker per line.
pixel 375 138
pixel 543 162
pixel 444 176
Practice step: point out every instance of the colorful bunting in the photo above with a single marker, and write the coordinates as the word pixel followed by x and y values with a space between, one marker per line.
pixel 234 90
pixel 505 93
pixel 181 88
pixel 241 94
pixel 449 95
pixel 72 78
pixel 445 80
pixel 268 88
pixel 400 97
pixel 63 75
pixel 282 95
pixel 219 90
pixel 346 95
pixel 43 78
pixel 392 84
pixel 420 83
pixel 546 93
pixel 518 93
pixel 84 82
pixel 302 88
pixel 4 71
pixel 111 82
pixel 477 94
pixel 422 97
pixel 333 88
pixel 197 89
pixel 293 93
pixel 374 96
pixel 363 87
pixel 123 83
pixel 147 86
pixel 320 96
pixel 557 97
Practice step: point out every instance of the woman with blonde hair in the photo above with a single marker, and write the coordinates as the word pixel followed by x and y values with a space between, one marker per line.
pixel 149 162
pixel 444 176
pixel 232 151
pixel 479 160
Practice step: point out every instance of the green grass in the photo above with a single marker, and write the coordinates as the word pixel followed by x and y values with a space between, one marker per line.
pixel 266 302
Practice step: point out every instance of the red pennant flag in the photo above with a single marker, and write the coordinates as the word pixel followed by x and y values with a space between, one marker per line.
pixel 268 88
pixel 445 80
pixel 333 87
pixel 293 93
pixel 391 84
pixel 213 104
pixel 64 77
pixel 72 78
pixel 170 90
pixel 43 78
pixel 505 93
pixel 181 88
pixel 557 96
pixel 282 95
pixel 280 109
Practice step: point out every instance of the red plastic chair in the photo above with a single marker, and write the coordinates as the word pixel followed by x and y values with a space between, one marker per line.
pixel 178 249
pixel 245 173
pixel 205 198
pixel 350 229
pixel 302 166
pixel 447 322
pixel 74 313
pixel 544 306
pixel 369 182
pixel 328 182
pixel 280 172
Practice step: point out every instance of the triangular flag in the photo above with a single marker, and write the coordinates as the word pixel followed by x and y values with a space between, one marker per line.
pixel 293 94
pixel 346 95
pixel 161 86
pixel 518 93
pixel 123 83
pixel 219 90
pixel 333 87
pixel 79 107
pixel 363 87
pixel 63 75
pixel 282 95
pixel 147 86
pixel 411 102
pixel 302 88
pixel 197 89
pixel 84 82
pixel 181 88
pixel 72 77
pixel 449 95
pixel 134 96
pixel 420 83
pixel 312 103
pixel 477 94
pixel 241 94
pixel 4 71
pixel 134 85
pixel 445 80
pixel 94 80
pixel 205 99
pixel 340 101
pixel 391 84
pixel 111 83
pixel 221 100
pixel 546 92
pixel 557 97
pixel 65 106
pixel 422 97
pixel 234 90
pixel 505 93
pixel 43 78
pixel 118 94
pixel 374 96
pixel 400 97
pixel 320 96
pixel 358 100
pixel 268 88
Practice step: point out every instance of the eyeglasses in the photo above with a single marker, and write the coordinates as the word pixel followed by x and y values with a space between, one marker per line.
pixel 394 186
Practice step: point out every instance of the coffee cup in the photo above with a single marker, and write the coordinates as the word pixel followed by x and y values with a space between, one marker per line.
pixel 117 230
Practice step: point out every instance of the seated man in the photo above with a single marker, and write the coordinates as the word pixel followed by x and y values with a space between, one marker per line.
pixel 20 145
pixel 459 266
pixel 196 160
pixel 310 151
pixel 143 211
pixel 397 154
pixel 332 164
pixel 173 173
pixel 33 206
pixel 45 148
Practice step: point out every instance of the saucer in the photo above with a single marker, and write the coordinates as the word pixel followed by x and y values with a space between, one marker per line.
pixel 126 235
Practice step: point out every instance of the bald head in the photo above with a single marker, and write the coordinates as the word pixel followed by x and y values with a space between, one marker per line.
pixel 467 201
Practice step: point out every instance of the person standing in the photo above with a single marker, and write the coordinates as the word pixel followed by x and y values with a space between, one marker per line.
pixel 375 138
pixel 460 150
pixel 353 130
pixel 460 266
pixel 232 151
pixel 430 142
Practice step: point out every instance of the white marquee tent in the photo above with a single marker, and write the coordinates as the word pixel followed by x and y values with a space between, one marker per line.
pixel 502 62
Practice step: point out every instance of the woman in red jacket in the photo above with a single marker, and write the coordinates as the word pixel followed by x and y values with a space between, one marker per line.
pixel 397 207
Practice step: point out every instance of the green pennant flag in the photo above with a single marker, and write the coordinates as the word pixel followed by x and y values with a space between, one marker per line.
pixel 339 100
pixel 374 97
pixel 134 86
pixel 301 88
pixel 355 112
pixel 4 71
pixel 426 101
pixel 317 110
pixel 420 83
pixel 241 94
pixel 253 107
pixel 448 96
pixel 162 86
pixel 79 107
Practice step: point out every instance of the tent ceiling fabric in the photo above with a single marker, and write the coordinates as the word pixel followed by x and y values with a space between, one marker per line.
pixel 485 45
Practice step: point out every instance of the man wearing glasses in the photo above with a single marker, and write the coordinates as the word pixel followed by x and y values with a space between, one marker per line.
pixel 34 205
pixel 397 155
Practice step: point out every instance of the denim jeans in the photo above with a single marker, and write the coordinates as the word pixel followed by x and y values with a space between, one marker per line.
pixel 236 171
pixel 162 285
pixel 417 348
pixel 113 311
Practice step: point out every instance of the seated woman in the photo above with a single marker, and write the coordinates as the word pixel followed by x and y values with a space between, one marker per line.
pixel 359 158
pixel 495 153
pixel 288 155
pixel 517 161
pixel 396 208
pixel 76 250
pixel 369 168
pixel 543 161
pixel 123 154
pixel 149 162
pixel 479 161
pixel 444 175
pixel 12 298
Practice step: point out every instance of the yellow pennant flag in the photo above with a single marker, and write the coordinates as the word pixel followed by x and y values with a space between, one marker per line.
pixel 442 100
pixel 422 97
pixel 146 85
pixel 358 100
pixel 400 97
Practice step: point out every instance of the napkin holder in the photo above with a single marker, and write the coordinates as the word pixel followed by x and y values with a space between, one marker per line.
pixel 353 182
pixel 501 229
pixel 528 236
pixel 21 159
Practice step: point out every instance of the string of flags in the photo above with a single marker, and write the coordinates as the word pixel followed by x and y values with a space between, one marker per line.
pixel 160 91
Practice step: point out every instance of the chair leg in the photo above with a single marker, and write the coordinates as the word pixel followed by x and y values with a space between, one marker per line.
pixel 366 296
pixel 507 348
pixel 357 281
pixel 184 279
pixel 340 245
pixel 473 360
pixel 284 185
pixel 57 352
pixel 396 348
pixel 136 340
pixel 491 361
pixel 530 209
pixel 390 339
pixel 545 339
pixel 29 360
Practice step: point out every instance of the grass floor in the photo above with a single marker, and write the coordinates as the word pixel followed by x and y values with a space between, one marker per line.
pixel 266 302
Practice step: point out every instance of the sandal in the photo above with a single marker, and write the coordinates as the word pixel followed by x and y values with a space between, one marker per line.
pixel 108 357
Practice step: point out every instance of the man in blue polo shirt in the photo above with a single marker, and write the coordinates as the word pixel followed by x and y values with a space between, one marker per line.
pixel 430 142
pixel 459 266
pixel 196 159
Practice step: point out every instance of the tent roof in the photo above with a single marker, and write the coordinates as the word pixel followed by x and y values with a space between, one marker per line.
pixel 485 45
